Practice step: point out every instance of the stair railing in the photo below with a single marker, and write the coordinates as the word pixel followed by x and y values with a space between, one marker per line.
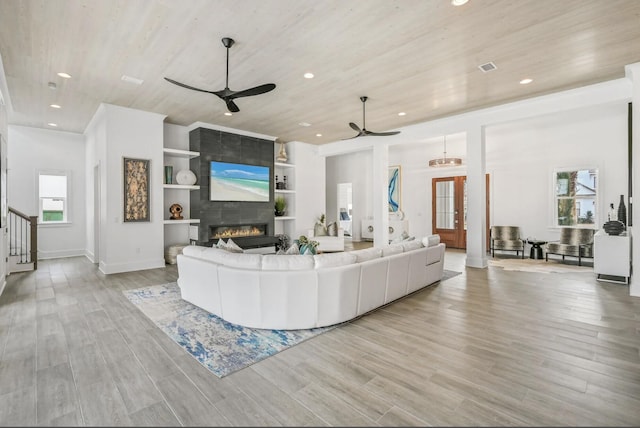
pixel 23 236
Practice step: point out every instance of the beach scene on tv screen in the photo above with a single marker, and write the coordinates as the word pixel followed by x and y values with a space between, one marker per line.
pixel 239 182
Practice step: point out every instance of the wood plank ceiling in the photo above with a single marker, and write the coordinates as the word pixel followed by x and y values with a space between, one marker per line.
pixel 420 57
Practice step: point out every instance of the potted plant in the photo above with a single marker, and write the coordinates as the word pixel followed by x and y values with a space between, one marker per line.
pixel 280 205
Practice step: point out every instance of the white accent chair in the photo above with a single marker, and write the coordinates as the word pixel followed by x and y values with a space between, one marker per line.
pixel 328 243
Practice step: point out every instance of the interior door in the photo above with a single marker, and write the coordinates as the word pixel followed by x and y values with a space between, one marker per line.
pixel 449 210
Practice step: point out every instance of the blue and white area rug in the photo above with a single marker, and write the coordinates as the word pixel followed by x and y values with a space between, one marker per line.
pixel 220 346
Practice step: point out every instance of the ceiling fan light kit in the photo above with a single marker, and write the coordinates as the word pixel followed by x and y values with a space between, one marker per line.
pixel 445 161
pixel 364 132
pixel 226 94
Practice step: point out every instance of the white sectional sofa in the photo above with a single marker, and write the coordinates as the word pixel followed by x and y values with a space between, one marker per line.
pixel 291 292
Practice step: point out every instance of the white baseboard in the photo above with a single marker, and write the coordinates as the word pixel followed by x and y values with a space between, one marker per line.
pixel 89 254
pixel 108 268
pixel 44 255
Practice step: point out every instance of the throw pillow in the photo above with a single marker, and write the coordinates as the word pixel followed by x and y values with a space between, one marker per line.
pixel 320 230
pixel 233 247
pixel 221 244
pixel 293 249
pixel 332 229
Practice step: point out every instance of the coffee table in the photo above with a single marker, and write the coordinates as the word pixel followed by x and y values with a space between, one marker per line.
pixel 536 248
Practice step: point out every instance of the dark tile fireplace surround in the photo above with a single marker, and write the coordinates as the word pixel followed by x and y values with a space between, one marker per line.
pixel 225 216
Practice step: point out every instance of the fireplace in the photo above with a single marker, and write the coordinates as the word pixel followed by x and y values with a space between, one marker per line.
pixel 238 231
pixel 245 235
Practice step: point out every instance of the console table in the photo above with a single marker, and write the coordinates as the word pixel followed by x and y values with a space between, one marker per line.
pixel 612 256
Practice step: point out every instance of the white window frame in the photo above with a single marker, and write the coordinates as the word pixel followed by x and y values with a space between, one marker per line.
pixel 66 202
pixel 555 197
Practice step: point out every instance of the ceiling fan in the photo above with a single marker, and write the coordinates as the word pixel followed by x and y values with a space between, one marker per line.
pixel 227 95
pixel 364 132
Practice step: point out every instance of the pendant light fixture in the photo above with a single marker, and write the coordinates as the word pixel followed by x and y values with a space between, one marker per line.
pixel 445 161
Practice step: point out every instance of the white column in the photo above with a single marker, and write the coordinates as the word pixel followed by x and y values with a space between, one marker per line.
pixel 476 198
pixel 632 72
pixel 380 195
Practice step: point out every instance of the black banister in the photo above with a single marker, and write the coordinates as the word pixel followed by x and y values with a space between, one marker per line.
pixel 25 228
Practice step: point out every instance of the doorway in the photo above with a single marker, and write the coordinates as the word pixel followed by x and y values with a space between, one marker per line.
pixel 345 208
pixel 449 210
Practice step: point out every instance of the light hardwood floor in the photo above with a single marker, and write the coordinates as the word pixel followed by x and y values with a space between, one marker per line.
pixel 484 348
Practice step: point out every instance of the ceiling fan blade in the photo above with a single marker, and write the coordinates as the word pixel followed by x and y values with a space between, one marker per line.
pixel 254 91
pixel 187 86
pixel 232 106
pixel 382 134
pixel 355 127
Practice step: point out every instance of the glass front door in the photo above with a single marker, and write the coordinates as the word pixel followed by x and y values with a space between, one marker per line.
pixel 449 210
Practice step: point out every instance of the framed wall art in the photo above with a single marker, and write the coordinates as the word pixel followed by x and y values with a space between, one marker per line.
pixel 136 189
pixel 395 182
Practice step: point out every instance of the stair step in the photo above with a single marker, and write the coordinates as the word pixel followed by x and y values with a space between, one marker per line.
pixel 15 265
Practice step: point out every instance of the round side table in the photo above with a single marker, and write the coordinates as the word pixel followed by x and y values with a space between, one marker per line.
pixel 536 248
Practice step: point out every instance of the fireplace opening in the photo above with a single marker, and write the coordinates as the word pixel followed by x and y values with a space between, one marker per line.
pixel 238 231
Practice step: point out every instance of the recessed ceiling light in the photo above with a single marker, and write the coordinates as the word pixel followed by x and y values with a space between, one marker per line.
pixel 133 80
pixel 65 75
pixel 318 135
pixel 228 113
pixel 308 75
pixel 526 81
pixel 304 124
pixel 402 113
pixel 458 2
pixel 52 124
pixel 54 106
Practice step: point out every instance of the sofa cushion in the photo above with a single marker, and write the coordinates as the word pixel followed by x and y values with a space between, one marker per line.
pixel 392 249
pixel 411 245
pixel 214 254
pixel 287 262
pixel 220 244
pixel 243 261
pixel 333 259
pixel 367 254
pixel 431 240
pixel 193 250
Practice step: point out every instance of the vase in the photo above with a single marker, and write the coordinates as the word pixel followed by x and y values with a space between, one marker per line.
pixel 168 174
pixel 622 211
pixel 613 227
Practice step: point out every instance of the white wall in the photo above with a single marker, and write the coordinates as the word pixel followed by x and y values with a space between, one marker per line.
pixel 114 133
pixel 4 135
pixel 352 168
pixel 31 150
pixel 310 186
pixel 520 159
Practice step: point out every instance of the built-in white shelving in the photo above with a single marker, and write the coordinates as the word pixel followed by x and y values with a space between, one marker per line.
pixel 183 221
pixel 181 186
pixel 180 153
pixel 286 224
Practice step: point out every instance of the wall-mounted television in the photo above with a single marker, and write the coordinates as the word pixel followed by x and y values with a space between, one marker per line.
pixel 239 182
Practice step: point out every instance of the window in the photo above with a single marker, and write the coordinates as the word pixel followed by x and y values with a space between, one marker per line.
pixel 576 197
pixel 53 197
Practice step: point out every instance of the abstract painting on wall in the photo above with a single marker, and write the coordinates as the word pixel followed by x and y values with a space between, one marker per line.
pixel 136 189
pixel 394 188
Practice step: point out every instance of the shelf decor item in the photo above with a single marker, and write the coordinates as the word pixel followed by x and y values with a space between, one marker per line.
pixel 622 211
pixel 282 154
pixel 614 227
pixel 280 206
pixel 186 177
pixel 168 174
pixel 136 189
pixel 176 212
